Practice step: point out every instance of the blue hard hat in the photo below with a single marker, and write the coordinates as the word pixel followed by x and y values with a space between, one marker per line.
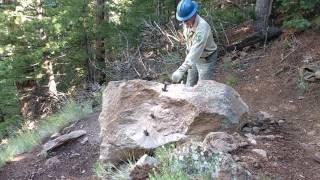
pixel 186 9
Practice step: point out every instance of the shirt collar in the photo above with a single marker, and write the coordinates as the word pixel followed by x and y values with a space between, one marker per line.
pixel 195 24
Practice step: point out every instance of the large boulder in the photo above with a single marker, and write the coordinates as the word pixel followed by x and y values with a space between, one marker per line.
pixel 139 115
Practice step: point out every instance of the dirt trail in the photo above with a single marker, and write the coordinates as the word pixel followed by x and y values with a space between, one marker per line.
pixel 75 160
pixel 269 85
pixel 265 81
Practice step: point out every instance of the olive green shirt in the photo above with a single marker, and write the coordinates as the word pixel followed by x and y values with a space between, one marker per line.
pixel 199 41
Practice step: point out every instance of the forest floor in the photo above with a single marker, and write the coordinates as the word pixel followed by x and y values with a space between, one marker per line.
pixel 265 79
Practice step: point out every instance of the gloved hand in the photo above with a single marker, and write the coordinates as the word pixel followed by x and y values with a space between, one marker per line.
pixel 178 74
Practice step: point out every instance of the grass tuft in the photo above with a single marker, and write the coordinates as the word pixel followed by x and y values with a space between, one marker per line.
pixel 186 163
pixel 28 139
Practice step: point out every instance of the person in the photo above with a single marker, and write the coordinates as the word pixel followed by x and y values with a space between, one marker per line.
pixel 201 49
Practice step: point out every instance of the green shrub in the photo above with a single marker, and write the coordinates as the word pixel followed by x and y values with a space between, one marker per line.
pixel 299 23
pixel 316 23
pixel 28 139
pixel 297 13
pixel 231 80
pixel 186 163
pixel 302 85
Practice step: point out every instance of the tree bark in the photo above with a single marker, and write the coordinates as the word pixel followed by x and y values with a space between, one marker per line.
pixel 7 1
pixel 262 11
pixel 101 16
pixel 52 86
pixel 176 22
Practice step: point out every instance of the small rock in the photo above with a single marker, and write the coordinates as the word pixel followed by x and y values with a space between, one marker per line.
pixel 84 140
pixel 83 171
pixel 252 141
pixel 261 152
pixel 145 159
pixel 274 108
pixel 236 158
pixel 74 155
pixel 223 142
pixel 275 164
pixel 235 62
pixel 312 133
pixel 55 135
pixel 243 164
pixel 246 49
pixel 316 157
pixel 264 116
pixel 281 121
pixel 301 176
pixel 247 129
pixel 67 129
pixel 226 59
pixel 267 131
pixel 51 162
pixel 42 154
pixel 270 137
pixel 243 54
pixel 300 97
pixel 257 165
pixel 256 130
pixel 307 147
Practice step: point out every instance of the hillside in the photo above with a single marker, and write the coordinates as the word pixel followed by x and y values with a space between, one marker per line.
pixel 266 83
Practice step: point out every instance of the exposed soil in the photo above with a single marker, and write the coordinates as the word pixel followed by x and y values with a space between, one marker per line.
pixel 267 80
pixel 268 83
pixel 75 160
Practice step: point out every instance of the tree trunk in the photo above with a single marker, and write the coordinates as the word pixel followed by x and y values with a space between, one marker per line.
pixel 100 49
pixel 52 86
pixel 7 1
pixel 176 22
pixel 262 11
pixel 47 64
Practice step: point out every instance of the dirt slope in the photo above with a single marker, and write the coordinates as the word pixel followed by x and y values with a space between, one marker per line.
pixel 75 159
pixel 268 83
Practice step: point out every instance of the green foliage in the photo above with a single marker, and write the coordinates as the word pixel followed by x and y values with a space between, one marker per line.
pixel 110 171
pixel 298 13
pixel 302 85
pixel 28 139
pixel 316 23
pixel 222 18
pixel 99 170
pixel 27 41
pixel 231 80
pixel 187 163
pixel 299 23
pixel 124 26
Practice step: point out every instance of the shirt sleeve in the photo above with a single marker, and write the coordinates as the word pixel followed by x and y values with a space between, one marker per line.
pixel 198 45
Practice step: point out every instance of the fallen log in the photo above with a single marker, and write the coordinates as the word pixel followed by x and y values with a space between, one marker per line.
pixel 256 37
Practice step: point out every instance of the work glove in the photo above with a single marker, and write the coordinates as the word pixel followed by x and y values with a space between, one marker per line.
pixel 178 74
